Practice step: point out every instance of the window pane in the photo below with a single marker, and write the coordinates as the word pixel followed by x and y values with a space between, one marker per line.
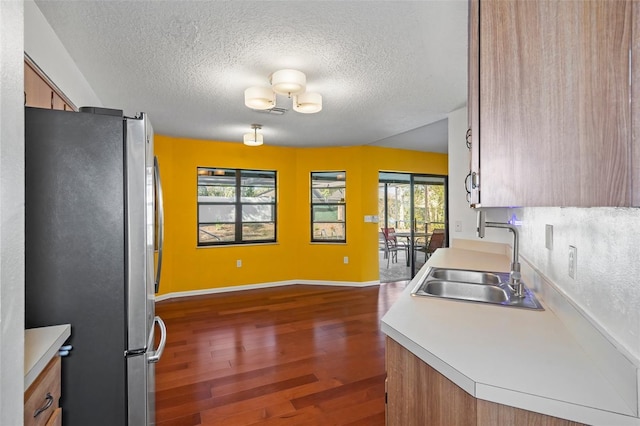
pixel 216 213
pixel 329 231
pixel 258 186
pixel 258 231
pixel 257 178
pixel 251 194
pixel 323 213
pixel 216 233
pixel 257 213
pixel 321 179
pixel 216 177
pixel 327 195
pixel 216 194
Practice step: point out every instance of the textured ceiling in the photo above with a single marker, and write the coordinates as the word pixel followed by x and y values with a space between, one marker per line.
pixel 389 71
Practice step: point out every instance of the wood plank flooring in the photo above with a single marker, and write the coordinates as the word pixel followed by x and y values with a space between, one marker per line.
pixel 294 355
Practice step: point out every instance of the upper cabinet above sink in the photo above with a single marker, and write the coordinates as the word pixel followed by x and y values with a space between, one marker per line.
pixel 550 103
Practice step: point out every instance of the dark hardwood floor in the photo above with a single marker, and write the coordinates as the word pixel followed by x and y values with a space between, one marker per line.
pixel 294 355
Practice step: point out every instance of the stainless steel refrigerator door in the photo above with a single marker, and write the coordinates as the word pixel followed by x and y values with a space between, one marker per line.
pixel 140 270
pixel 139 186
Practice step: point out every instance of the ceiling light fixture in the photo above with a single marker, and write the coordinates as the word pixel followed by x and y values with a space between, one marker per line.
pixel 259 98
pixel 288 82
pixel 307 103
pixel 255 138
pixel 284 82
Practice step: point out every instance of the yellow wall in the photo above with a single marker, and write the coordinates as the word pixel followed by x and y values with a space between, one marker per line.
pixel 187 267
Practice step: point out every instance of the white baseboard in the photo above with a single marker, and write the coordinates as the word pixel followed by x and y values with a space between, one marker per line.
pixel 263 285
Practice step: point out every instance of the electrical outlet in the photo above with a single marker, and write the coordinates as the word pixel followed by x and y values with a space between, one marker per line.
pixel 238 263
pixel 573 261
pixel 346 260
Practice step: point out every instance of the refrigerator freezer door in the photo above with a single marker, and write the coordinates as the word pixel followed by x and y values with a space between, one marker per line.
pixel 141 386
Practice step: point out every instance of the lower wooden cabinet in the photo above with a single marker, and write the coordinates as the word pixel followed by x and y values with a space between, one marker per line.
pixel 56 418
pixel 42 399
pixel 418 395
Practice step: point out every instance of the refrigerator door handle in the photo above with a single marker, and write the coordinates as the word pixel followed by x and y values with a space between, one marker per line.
pixel 160 207
pixel 157 354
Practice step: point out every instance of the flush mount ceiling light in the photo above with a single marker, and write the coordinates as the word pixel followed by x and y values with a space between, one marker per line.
pixel 307 103
pixel 288 82
pixel 259 98
pixel 284 82
pixel 255 138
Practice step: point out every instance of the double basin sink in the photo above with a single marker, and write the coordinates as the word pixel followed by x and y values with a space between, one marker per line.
pixel 474 286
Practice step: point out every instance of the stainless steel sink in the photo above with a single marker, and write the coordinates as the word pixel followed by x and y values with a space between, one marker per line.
pixel 466 291
pixel 460 275
pixel 474 286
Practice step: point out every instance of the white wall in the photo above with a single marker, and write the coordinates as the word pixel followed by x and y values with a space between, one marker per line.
pixel 11 213
pixel 607 283
pixel 45 48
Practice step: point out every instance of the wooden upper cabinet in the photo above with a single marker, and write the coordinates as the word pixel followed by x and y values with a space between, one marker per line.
pixel 549 86
pixel 36 91
pixel 635 106
pixel 40 93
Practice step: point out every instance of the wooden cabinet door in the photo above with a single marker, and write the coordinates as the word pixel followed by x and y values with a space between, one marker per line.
pixel 37 92
pixel 57 102
pixel 418 395
pixel 473 104
pixel 635 104
pixel 56 418
pixel 552 102
pixel 41 400
pixel 40 92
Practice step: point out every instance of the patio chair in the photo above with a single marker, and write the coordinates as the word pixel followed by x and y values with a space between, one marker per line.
pixel 436 241
pixel 393 246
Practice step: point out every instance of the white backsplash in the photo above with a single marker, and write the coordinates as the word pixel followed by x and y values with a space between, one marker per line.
pixel 607 282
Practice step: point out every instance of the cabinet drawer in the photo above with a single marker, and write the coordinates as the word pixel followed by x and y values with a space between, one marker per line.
pixel 44 392
pixel 56 418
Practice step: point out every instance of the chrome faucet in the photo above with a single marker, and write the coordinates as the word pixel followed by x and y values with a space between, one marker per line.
pixel 515 278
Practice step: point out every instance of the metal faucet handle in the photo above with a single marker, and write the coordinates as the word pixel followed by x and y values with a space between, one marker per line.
pixel 481 225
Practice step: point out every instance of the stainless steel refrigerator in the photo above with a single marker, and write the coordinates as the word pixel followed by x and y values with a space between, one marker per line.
pixel 93 256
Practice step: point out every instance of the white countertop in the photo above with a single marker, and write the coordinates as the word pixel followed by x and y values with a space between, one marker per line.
pixel 40 346
pixel 518 357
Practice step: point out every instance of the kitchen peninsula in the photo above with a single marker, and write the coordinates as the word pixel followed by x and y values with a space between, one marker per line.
pixel 498 358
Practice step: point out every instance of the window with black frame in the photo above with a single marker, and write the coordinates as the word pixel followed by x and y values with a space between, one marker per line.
pixel 236 206
pixel 328 207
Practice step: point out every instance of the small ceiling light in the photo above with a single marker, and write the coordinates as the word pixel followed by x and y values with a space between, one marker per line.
pixel 259 98
pixel 307 103
pixel 255 138
pixel 288 82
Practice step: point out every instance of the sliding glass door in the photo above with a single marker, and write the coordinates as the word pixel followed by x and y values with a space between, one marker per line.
pixel 414 205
